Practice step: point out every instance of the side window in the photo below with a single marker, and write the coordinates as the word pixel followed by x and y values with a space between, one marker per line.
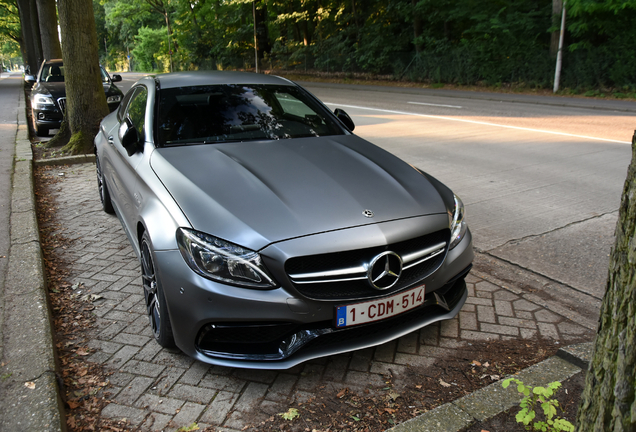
pixel 123 105
pixel 137 108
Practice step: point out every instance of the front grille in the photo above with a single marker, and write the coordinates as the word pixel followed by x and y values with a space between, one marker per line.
pixel 62 103
pixel 342 275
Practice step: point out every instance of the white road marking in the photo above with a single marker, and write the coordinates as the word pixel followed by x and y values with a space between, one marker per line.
pixel 439 105
pixel 477 122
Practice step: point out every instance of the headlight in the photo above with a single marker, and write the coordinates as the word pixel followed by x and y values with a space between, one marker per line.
pixel 458 224
pixel 222 261
pixel 42 99
pixel 113 99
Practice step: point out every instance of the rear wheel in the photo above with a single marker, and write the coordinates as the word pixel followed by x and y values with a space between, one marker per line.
pixel 104 195
pixel 155 301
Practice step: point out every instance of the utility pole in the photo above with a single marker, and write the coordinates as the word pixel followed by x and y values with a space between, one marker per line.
pixel 557 72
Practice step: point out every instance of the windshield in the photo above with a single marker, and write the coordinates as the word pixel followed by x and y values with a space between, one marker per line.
pixel 224 113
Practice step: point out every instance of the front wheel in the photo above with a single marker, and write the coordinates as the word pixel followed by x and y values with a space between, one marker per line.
pixel 104 194
pixel 155 301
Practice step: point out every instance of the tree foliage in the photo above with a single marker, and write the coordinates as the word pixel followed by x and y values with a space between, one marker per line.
pixel 459 41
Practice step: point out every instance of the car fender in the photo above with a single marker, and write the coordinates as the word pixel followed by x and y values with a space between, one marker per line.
pixel 159 214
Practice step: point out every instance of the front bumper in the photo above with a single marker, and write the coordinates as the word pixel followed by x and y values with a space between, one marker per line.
pixel 280 328
pixel 49 117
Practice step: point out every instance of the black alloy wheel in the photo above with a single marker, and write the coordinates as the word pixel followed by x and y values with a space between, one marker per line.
pixel 104 194
pixel 155 301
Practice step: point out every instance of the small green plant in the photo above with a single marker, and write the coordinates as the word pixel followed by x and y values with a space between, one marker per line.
pixel 542 396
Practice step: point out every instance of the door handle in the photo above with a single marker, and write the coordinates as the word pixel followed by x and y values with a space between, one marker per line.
pixel 111 140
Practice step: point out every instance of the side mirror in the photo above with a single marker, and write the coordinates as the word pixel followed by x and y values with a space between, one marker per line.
pixel 116 78
pixel 129 136
pixel 345 119
pixel 29 79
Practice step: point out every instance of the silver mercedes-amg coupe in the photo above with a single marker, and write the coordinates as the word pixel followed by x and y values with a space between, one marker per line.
pixel 268 233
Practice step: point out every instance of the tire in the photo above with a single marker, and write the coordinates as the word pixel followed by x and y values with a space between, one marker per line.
pixel 40 131
pixel 156 307
pixel 104 195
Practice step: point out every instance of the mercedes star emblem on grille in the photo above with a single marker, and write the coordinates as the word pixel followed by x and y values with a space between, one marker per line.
pixel 384 270
pixel 368 213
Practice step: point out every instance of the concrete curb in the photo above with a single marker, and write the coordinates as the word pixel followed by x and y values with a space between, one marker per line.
pixel 66 160
pixel 492 400
pixel 32 401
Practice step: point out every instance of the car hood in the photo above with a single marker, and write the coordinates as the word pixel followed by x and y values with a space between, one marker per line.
pixel 257 193
pixel 56 89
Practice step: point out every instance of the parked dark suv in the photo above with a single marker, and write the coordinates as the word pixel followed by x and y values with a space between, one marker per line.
pixel 48 96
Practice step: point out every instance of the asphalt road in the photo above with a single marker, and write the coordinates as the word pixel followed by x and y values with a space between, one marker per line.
pixel 10 84
pixel 541 181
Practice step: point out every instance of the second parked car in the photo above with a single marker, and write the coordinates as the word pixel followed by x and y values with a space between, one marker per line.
pixel 48 96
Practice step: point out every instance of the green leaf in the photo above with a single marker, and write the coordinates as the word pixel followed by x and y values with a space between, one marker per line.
pixel 355 418
pixel 192 427
pixel 291 414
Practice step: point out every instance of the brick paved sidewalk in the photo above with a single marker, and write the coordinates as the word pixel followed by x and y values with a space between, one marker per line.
pixel 158 389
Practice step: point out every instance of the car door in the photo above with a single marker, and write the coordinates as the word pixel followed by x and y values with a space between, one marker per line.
pixel 124 158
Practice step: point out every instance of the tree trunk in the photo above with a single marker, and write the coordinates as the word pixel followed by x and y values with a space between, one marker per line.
pixel 557 7
pixel 85 96
pixel 47 18
pixel 608 403
pixel 262 33
pixel 35 29
pixel 30 39
pixel 417 27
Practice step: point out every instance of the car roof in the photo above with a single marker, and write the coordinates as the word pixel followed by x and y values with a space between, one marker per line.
pixel 194 78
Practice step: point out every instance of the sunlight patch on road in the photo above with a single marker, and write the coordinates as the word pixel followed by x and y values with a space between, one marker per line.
pixel 484 123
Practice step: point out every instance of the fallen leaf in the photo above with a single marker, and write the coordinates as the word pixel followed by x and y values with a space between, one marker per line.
pixel 291 414
pixel 475 363
pixel 486 364
pixel 82 351
pixel 30 385
pixel 393 395
pixel 341 393
pixel 443 383
pixel 73 404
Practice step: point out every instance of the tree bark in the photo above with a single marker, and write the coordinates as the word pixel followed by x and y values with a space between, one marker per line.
pixel 85 96
pixel 608 403
pixel 47 18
